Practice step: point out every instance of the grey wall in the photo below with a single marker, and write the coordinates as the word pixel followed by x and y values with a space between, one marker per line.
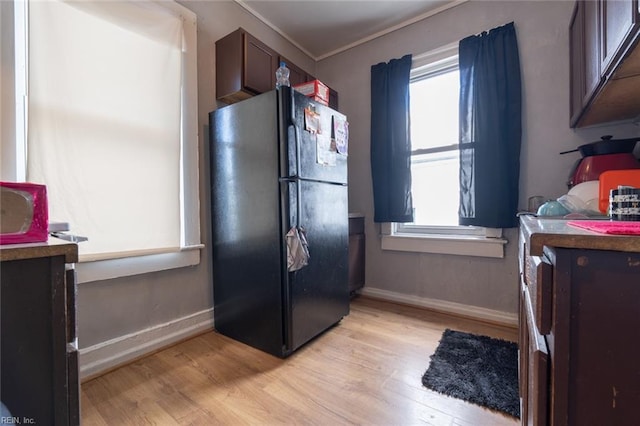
pixel 109 309
pixel 114 308
pixel 542 29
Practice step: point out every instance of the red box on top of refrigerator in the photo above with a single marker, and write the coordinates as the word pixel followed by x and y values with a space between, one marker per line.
pixel 314 89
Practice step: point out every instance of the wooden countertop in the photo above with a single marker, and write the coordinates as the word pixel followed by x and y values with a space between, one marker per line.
pixel 556 233
pixel 53 247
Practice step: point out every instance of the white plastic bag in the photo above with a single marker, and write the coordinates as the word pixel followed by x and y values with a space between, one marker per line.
pixel 297 249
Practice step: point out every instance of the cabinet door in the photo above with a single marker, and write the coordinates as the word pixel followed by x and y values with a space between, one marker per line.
pixel 537 371
pixel 601 337
pixel 618 20
pixel 33 363
pixel 576 43
pixel 260 64
pixel 72 348
pixel 523 353
pixel 333 99
pixel 585 49
pixel 229 57
pixel 591 52
pixel 296 74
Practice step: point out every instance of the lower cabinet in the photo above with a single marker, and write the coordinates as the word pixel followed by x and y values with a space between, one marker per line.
pixel 39 360
pixel 581 367
pixel 356 252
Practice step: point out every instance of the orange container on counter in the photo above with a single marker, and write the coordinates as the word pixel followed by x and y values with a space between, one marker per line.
pixel 611 180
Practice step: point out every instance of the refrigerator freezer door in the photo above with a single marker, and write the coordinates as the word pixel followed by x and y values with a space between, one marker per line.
pixel 309 154
pixel 318 294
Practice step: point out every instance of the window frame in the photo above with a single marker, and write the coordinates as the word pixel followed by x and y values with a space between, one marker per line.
pixel 188 254
pixel 456 240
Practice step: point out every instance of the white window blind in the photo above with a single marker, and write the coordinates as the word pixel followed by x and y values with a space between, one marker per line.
pixel 104 124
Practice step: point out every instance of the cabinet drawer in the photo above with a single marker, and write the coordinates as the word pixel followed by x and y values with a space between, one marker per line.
pixel 537 392
pixel 539 280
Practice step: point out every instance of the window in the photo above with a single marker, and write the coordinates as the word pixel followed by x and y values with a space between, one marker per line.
pixel 435 186
pixel 107 119
pixel 434 95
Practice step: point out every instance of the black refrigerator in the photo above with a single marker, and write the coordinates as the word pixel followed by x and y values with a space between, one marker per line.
pixel 278 164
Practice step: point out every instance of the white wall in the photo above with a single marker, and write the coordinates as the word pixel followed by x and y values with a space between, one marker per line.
pixel 542 30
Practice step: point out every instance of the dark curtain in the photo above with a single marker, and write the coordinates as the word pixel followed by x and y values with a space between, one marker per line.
pixel 390 141
pixel 490 128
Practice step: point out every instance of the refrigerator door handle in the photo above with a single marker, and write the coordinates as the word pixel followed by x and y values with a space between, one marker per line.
pixel 299 205
pixel 297 246
pixel 295 221
pixel 294 150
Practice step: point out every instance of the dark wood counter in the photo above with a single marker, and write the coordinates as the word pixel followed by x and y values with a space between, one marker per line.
pixel 579 325
pixel 53 247
pixel 39 352
pixel 542 232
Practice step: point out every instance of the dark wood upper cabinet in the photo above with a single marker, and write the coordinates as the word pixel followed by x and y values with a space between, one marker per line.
pixel 605 61
pixel 296 74
pixel 246 67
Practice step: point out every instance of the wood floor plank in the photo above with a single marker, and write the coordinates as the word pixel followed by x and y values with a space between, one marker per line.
pixel 366 370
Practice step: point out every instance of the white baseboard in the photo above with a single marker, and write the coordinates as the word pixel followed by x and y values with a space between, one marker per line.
pixel 497 317
pixel 104 356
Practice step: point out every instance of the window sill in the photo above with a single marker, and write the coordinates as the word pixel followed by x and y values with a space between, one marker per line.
pixel 115 268
pixel 462 245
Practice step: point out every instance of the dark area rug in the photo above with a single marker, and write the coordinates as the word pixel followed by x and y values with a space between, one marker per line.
pixel 478 369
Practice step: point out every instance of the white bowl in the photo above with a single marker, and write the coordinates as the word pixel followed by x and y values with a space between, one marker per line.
pixel 572 203
pixel 586 195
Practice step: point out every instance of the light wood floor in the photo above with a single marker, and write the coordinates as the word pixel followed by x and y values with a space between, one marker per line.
pixel 367 370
